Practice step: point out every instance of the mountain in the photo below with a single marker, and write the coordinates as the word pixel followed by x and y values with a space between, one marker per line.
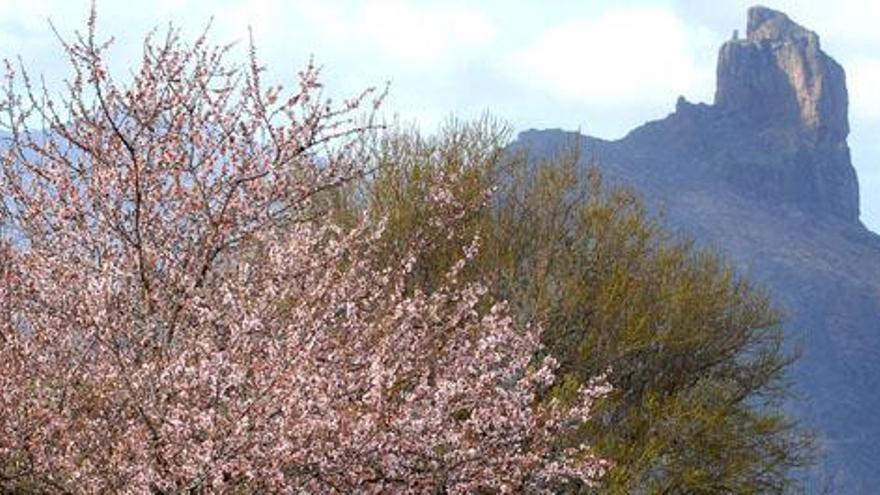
pixel 764 175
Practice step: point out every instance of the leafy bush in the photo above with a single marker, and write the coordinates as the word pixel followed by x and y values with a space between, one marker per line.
pixel 696 352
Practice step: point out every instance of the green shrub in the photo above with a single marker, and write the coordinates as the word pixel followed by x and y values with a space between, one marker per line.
pixel 696 352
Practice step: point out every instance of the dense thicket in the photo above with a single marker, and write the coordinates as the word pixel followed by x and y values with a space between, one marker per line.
pixel 696 352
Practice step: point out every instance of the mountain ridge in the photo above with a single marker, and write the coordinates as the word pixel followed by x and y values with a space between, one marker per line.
pixel 764 175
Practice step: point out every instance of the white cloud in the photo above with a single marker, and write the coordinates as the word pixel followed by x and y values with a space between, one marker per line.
pixel 391 30
pixel 422 34
pixel 863 80
pixel 625 55
pixel 849 24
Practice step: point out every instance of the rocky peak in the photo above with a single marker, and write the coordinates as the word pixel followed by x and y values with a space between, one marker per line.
pixel 791 97
pixel 769 24
pixel 778 76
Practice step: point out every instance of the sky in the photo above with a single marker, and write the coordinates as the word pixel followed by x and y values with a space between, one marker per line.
pixel 599 66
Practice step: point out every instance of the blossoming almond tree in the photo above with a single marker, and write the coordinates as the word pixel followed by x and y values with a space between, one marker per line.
pixel 177 314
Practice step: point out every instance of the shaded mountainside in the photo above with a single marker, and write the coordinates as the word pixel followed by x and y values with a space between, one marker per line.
pixel 764 175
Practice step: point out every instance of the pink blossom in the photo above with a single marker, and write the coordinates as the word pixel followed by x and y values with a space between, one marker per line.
pixel 177 312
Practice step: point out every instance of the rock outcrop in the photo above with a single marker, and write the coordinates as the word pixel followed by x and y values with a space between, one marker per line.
pixel 779 76
pixel 780 81
pixel 764 175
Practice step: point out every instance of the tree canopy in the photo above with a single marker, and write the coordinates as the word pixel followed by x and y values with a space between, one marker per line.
pixel 695 352
pixel 180 312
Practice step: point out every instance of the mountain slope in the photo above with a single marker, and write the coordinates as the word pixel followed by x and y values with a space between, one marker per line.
pixel 764 175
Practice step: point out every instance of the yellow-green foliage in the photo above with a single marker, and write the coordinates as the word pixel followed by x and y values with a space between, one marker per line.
pixel 696 352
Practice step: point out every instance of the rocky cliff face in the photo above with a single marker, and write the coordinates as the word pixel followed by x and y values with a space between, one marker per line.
pixel 764 175
pixel 780 81
pixel 779 76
